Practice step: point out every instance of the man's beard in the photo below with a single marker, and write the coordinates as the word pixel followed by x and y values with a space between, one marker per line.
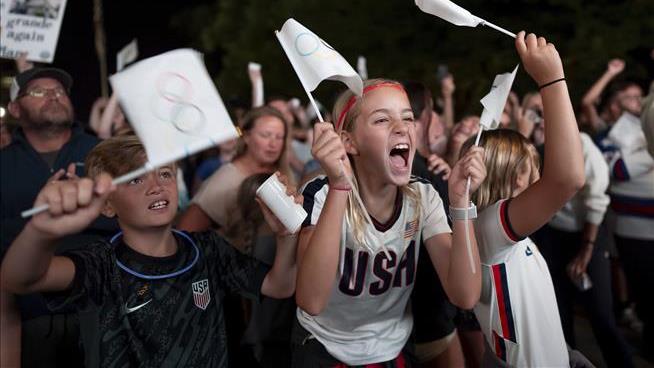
pixel 50 119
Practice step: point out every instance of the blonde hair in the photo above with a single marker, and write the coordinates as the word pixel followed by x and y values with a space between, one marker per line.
pixel 247 124
pixel 507 154
pixel 117 155
pixel 354 212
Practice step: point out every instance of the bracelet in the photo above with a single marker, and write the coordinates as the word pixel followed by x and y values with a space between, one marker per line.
pixel 550 83
pixel 588 241
pixel 460 213
pixel 342 189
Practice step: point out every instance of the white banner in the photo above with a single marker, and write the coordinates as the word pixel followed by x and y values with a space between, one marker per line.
pixel 314 60
pixel 173 105
pixel 32 27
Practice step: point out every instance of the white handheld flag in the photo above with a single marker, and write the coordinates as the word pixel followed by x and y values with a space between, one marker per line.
pixel 314 60
pixel 127 54
pixel 362 68
pixel 449 11
pixel 495 100
pixel 173 105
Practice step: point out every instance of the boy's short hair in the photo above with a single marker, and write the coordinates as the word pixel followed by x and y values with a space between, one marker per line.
pixel 116 156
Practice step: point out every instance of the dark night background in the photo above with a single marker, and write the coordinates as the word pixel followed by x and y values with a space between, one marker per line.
pixel 399 41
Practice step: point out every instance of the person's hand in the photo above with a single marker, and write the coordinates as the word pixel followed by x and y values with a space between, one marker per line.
pixel 273 222
pixel 73 204
pixel 437 165
pixel 69 173
pixel 22 64
pixel 540 59
pixel 447 86
pixel 470 165
pixel 328 149
pixel 615 67
pixel 465 129
pixel 579 264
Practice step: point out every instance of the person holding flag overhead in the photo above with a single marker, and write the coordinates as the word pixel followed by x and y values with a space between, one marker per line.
pixel 517 311
pixel 358 248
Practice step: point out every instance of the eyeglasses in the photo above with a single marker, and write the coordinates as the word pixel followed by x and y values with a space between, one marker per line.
pixel 43 92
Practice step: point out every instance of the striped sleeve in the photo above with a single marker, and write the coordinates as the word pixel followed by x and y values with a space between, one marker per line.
pixel 494 232
pixel 314 194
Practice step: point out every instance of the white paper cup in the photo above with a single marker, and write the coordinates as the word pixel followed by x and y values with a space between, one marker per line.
pixel 273 193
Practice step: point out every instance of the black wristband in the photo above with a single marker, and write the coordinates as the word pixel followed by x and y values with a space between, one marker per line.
pixel 550 83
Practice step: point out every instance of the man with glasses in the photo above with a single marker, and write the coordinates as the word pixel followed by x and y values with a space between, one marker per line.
pixel 47 145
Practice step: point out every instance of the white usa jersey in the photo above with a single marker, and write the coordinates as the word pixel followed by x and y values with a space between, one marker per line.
pixel 517 311
pixel 366 319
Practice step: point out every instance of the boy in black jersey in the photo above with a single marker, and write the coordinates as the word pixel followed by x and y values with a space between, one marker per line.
pixel 151 295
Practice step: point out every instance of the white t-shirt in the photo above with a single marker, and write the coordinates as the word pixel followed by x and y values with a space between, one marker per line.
pixel 517 311
pixel 367 319
pixel 217 195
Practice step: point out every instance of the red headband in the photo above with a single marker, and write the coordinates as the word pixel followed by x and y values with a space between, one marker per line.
pixel 353 99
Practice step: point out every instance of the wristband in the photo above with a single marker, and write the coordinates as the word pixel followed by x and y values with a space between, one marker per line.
pixel 342 189
pixel 460 213
pixel 550 83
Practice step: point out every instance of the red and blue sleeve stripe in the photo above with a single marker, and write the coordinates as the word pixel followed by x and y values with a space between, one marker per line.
pixel 506 224
pixel 500 346
pixel 620 171
pixel 504 301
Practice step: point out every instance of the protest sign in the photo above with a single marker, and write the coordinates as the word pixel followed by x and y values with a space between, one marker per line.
pixel 127 54
pixel 173 105
pixel 31 27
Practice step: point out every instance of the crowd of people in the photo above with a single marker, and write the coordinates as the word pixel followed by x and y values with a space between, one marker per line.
pixel 185 266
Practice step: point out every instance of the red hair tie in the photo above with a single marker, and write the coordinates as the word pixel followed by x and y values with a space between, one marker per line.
pixel 353 99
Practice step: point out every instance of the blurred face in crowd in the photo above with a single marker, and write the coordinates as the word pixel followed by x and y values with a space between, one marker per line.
pixel 630 99
pixel 43 105
pixel 436 136
pixel 265 141
pixel 283 107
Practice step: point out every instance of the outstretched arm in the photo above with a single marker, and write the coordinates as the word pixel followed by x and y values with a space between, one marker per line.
pixel 280 280
pixel 30 265
pixel 563 172
pixel 588 102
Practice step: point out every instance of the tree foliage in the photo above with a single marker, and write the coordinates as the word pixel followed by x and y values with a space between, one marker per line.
pixel 401 42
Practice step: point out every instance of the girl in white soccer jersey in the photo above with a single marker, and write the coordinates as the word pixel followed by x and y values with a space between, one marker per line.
pixel 355 278
pixel 517 310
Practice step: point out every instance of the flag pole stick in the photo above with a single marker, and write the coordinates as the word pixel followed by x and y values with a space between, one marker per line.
pixel 466 225
pixel 119 180
pixel 497 28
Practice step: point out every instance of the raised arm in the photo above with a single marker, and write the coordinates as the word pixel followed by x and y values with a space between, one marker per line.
pixel 449 253
pixel 589 101
pixel 280 280
pixel 447 89
pixel 30 265
pixel 563 172
pixel 319 245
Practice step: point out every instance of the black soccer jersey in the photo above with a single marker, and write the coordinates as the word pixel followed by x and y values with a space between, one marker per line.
pixel 128 321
